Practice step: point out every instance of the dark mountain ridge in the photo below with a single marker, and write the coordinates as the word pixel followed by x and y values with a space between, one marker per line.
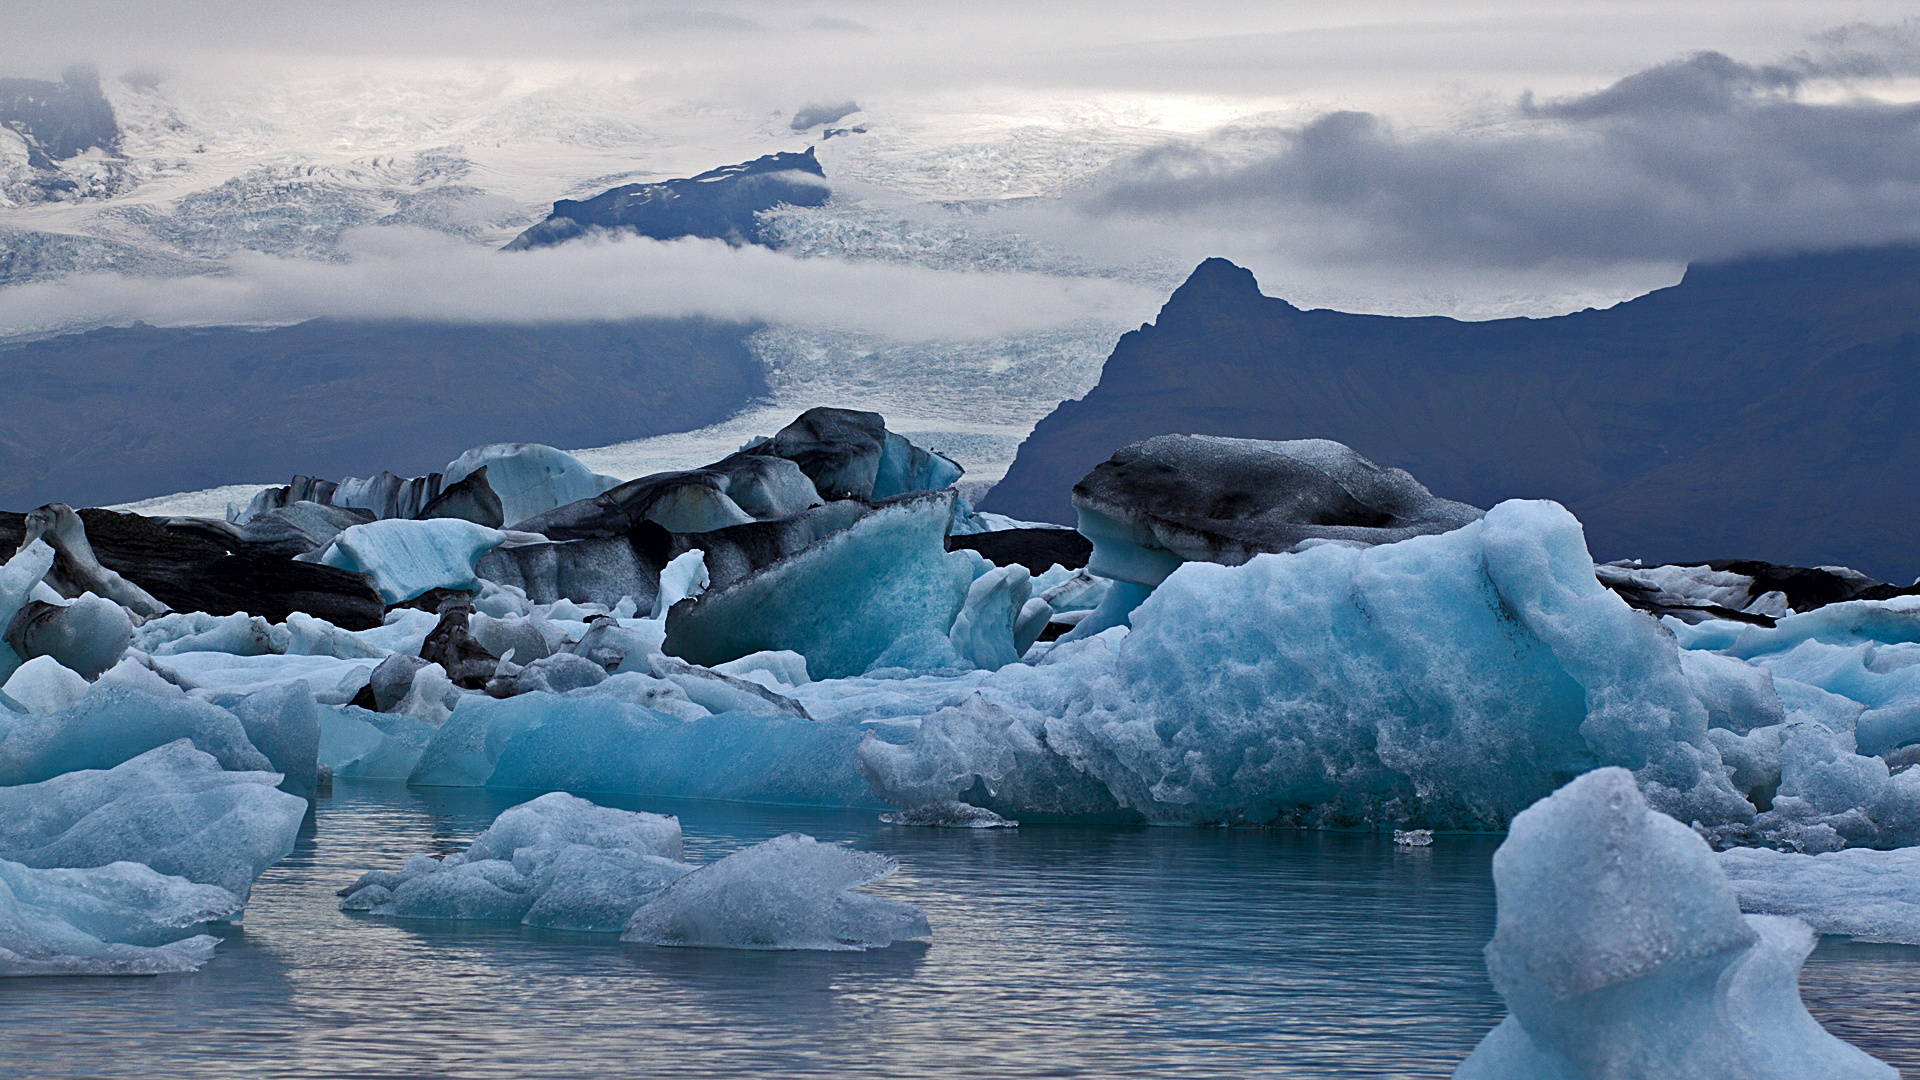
pixel 116 415
pixel 1759 409
pixel 719 204
pixel 59 120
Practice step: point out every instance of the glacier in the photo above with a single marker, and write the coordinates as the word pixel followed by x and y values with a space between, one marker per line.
pixel 1621 950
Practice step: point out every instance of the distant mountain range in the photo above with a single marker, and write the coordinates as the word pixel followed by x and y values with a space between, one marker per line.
pixel 1759 409
pixel 719 204
pixel 113 416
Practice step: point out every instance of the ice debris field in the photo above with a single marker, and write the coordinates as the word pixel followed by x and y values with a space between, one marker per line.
pixel 1699 768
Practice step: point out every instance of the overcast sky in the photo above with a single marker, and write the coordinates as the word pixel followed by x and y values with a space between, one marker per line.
pixel 1381 151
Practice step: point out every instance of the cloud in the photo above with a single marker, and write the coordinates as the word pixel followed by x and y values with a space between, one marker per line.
pixel 399 273
pixel 1700 158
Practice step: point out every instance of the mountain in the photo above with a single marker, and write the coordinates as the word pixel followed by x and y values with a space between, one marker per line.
pixel 112 416
pixel 718 204
pixel 1759 409
pixel 58 120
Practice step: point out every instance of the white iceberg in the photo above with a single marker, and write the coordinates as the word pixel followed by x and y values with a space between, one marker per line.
pixel 1446 680
pixel 120 919
pixel 1871 895
pixel 172 808
pixel 791 892
pixel 594 741
pixel 529 478
pixel 1621 952
pixel 842 602
pixel 115 723
pixel 558 862
pixel 406 558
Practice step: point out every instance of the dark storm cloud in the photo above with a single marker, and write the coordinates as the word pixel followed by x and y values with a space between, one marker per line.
pixel 1700 158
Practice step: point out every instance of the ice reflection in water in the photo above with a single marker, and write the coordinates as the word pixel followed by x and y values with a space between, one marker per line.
pixel 1101 952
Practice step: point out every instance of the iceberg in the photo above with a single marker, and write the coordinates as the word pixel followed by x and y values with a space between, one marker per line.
pixel 172 808
pixel 120 919
pixel 529 478
pixel 843 601
pixel 360 744
pixel 592 741
pixel 1870 895
pixel 407 558
pixel 87 635
pixel 1621 951
pixel 1446 680
pixel 558 862
pixel 43 686
pixel 116 723
pixel 791 892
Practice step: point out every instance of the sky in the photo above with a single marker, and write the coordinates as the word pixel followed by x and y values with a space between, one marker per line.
pixel 1471 159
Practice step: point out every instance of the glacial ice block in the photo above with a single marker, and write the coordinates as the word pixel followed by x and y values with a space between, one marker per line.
pixel 1446 680
pixel 119 919
pixel 172 808
pixel 529 478
pixel 559 862
pixel 1621 952
pixel 359 744
pixel 1871 895
pixel 116 723
pixel 841 602
pixel 791 892
pixel 407 558
pixel 1178 498
pixel 589 741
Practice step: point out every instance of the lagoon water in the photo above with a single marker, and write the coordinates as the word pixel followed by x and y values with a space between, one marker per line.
pixel 1056 951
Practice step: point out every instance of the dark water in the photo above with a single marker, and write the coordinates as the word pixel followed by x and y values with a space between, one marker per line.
pixel 1101 952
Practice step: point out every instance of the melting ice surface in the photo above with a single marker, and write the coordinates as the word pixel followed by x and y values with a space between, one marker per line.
pixel 1068 951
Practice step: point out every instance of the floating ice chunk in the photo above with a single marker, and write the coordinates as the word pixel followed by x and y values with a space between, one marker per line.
pixel 593 741
pixel 1871 895
pixel 1443 681
pixel 238 634
pixel 18 579
pixel 76 571
pixel 648 692
pixel 120 919
pixel 782 666
pixel 87 635
pixel 529 478
pixel 720 693
pixel 1739 696
pixel 791 892
pixel 1117 602
pixel 841 602
pixel 1413 837
pixel 1197 497
pixel 43 686
pixel 309 636
pixel 948 815
pixel 358 744
pixel 558 861
pixel 1621 951
pixel 284 724
pixel 407 558
pixel 112 724
pixel 984 753
pixel 684 577
pixel 172 808
pixel 996 624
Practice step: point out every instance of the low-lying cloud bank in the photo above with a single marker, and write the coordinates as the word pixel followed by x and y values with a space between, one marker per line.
pixel 410 274
pixel 1698 159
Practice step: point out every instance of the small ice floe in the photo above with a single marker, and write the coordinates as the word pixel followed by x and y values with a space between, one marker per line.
pixel 949 815
pixel 1413 837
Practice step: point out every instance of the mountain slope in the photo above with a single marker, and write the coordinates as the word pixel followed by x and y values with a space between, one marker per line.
pixel 115 415
pixel 719 204
pixel 1758 409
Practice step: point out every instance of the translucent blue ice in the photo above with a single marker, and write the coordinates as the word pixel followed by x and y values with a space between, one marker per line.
pixel 407 558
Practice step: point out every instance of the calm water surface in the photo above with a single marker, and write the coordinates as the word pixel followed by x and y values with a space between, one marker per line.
pixel 1099 952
